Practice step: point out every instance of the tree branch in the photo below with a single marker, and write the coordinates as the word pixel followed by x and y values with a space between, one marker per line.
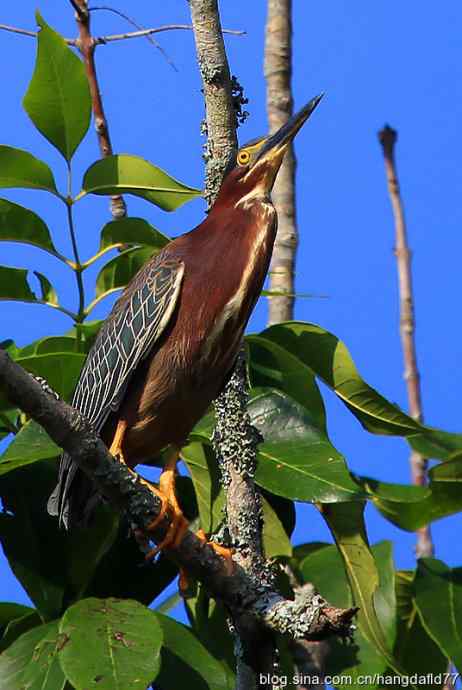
pixel 127 491
pixel 387 138
pixel 86 46
pixel 279 104
pixel 102 40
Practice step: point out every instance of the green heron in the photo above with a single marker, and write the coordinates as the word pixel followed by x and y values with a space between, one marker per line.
pixel 169 344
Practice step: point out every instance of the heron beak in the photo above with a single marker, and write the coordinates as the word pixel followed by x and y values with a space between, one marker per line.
pixel 272 152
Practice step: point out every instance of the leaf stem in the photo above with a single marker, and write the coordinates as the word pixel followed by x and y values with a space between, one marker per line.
pixel 98 299
pixel 80 316
pixel 102 252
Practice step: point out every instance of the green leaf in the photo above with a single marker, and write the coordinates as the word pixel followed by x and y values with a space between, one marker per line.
pixel 60 369
pixel 275 540
pixel 329 359
pixel 272 366
pixel 131 231
pixel 186 660
pixel 411 507
pixel 125 174
pixel 111 643
pixel 20 168
pixel 308 469
pixel 118 272
pixel 324 568
pixel 32 541
pixel 19 224
pixel 414 649
pixel 202 465
pixel 438 596
pixel 30 444
pixel 49 344
pixel 48 293
pixel 433 443
pixel 346 523
pixel 10 611
pixel 58 98
pixel 18 627
pixel 14 285
pixel 31 662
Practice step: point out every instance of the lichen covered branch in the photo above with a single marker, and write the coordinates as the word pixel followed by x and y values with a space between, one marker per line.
pixel 127 491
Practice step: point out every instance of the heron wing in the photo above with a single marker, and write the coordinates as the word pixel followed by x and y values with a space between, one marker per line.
pixel 135 323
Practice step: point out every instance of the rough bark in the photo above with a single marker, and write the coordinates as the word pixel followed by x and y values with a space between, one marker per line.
pixel 388 137
pixel 128 491
pixel 278 73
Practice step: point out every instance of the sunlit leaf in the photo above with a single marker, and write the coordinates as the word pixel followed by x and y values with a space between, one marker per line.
pixel 48 293
pixel 329 359
pixel 118 272
pixel 131 231
pixel 19 224
pixel 58 98
pixel 29 445
pixel 346 523
pixel 110 643
pixel 49 344
pixel 125 174
pixel 60 369
pixel 20 168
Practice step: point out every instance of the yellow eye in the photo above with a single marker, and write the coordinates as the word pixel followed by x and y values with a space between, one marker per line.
pixel 243 157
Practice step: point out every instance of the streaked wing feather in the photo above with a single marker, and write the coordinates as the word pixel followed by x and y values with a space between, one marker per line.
pixel 136 322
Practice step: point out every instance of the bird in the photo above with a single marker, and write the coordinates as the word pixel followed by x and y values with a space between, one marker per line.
pixel 168 347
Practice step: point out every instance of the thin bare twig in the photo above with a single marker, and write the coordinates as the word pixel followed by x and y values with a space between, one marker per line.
pixel 102 40
pixel 279 104
pixel 387 138
pixel 87 49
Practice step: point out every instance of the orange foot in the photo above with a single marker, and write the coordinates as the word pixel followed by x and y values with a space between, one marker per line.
pixel 179 524
pixel 222 551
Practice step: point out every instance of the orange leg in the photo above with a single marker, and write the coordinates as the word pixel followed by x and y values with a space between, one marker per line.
pixel 166 492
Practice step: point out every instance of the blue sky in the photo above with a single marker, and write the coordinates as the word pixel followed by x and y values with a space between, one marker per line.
pixel 377 62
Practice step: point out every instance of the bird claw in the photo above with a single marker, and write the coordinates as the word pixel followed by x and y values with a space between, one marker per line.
pixel 224 552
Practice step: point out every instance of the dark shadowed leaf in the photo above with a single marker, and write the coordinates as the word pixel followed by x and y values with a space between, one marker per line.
pixel 438 596
pixel 19 224
pixel 34 545
pixel 58 98
pixel 275 540
pixel 30 444
pixel 111 643
pixel 120 270
pixel 20 168
pixel 10 611
pixel 125 174
pixel 186 660
pixel 14 285
pixel 202 465
pixel 414 649
pixel 31 662
pixel 297 460
pixel 18 627
pixel 131 231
